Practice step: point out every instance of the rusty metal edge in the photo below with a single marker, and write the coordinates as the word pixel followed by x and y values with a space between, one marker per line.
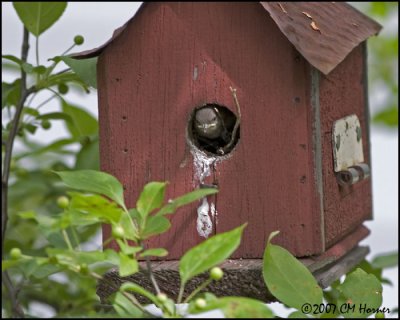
pixel 266 6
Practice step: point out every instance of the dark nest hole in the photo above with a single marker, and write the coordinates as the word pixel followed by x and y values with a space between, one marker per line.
pixel 211 129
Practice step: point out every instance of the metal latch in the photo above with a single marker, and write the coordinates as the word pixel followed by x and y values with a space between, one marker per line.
pixel 348 156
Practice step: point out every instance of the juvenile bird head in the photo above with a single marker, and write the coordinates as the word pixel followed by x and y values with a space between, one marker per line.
pixel 207 123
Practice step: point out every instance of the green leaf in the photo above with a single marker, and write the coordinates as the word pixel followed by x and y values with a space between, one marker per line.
pixel 31 112
pixel 297 315
pixel 127 249
pixel 387 260
pixel 12 58
pixel 288 279
pixel 88 157
pixel 86 208
pixel 150 198
pixel 360 289
pixel 45 270
pixel 237 307
pixel 56 146
pixel 388 116
pixel 129 227
pixel 185 199
pixel 61 78
pixel 96 182
pixel 82 124
pixel 7 264
pixel 39 16
pixel 55 116
pixel 6 89
pixel 73 258
pixel 27 67
pixel 156 252
pixel 85 69
pixel 209 253
pixel 155 225
pixel 127 265
pixel 124 307
pixel 29 127
pixel 10 93
pixel 130 286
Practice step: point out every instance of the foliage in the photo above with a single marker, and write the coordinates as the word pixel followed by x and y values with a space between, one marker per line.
pixel 286 278
pixel 383 62
pixel 49 229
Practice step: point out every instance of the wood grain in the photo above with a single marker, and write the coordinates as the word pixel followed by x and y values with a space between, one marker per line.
pixel 174 57
pixel 342 93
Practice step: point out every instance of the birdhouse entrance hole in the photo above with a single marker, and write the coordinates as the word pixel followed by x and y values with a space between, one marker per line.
pixel 214 129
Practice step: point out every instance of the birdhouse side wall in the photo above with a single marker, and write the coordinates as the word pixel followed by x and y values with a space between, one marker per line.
pixel 344 92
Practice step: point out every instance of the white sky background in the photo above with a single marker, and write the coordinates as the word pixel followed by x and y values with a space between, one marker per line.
pixel 97 20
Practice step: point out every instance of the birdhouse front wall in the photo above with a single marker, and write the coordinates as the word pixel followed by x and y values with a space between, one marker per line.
pixel 174 57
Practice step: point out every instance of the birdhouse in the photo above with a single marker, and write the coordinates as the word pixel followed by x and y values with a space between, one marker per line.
pixel 265 101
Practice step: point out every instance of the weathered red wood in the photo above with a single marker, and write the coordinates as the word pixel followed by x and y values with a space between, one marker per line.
pixel 174 57
pixel 342 93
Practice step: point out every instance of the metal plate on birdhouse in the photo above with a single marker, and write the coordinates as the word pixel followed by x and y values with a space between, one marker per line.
pixel 347 143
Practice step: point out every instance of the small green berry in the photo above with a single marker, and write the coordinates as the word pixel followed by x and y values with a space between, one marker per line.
pixel 79 40
pixel 84 140
pixel 216 273
pixel 162 297
pixel 62 88
pixel 46 124
pixel 380 315
pixel 40 69
pixel 15 253
pixel 84 269
pixel 118 232
pixel 200 303
pixel 53 260
pixel 63 202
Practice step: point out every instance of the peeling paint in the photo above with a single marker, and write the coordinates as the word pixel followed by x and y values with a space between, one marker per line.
pixel 358 131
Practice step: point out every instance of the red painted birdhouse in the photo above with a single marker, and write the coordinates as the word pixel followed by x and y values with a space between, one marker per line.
pixel 290 153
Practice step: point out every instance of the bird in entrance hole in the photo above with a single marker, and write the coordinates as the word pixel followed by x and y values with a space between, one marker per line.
pixel 213 128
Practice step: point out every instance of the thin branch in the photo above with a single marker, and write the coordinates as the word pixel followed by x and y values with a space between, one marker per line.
pixel 197 290
pixel 37 50
pixel 237 123
pixel 16 308
pixel 181 291
pixel 150 272
pixel 24 93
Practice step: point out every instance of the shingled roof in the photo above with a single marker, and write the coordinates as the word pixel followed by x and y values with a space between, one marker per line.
pixel 323 32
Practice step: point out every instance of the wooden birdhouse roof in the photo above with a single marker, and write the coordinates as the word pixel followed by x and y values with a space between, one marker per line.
pixel 323 32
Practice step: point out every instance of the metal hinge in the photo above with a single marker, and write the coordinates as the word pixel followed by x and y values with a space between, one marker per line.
pixel 348 156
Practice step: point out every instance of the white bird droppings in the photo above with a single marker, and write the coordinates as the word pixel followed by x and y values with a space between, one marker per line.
pixel 202 166
pixel 204 223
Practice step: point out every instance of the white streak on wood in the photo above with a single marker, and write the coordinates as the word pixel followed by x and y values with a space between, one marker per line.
pixel 204 223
